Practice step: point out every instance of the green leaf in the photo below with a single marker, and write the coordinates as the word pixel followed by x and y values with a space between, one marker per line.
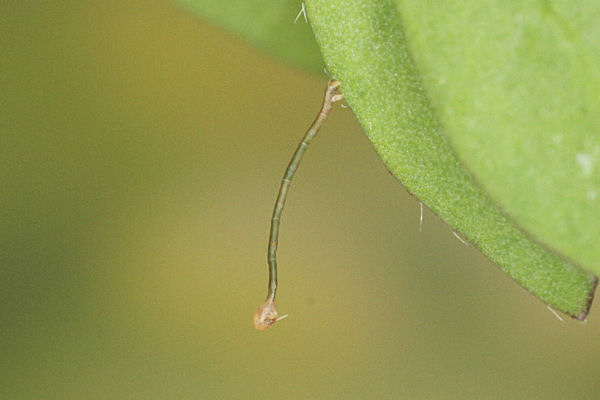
pixel 268 24
pixel 516 86
pixel 490 82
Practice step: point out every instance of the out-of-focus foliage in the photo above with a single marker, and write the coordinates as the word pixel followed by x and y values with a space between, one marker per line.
pixel 278 27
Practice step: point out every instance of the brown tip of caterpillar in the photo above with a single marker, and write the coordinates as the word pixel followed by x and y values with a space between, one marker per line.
pixel 266 315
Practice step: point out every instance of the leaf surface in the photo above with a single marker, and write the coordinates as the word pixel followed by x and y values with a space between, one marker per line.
pixel 364 46
pixel 516 88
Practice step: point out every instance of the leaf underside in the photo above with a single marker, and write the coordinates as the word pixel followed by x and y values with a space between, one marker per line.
pixel 364 46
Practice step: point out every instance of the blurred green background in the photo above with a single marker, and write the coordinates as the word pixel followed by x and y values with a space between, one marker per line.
pixel 141 152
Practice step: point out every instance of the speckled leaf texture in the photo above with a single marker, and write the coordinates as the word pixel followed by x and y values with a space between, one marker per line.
pixel 487 112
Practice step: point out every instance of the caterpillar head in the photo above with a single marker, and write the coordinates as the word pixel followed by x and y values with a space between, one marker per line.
pixel 266 315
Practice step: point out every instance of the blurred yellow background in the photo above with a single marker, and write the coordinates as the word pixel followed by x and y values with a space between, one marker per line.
pixel 141 154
